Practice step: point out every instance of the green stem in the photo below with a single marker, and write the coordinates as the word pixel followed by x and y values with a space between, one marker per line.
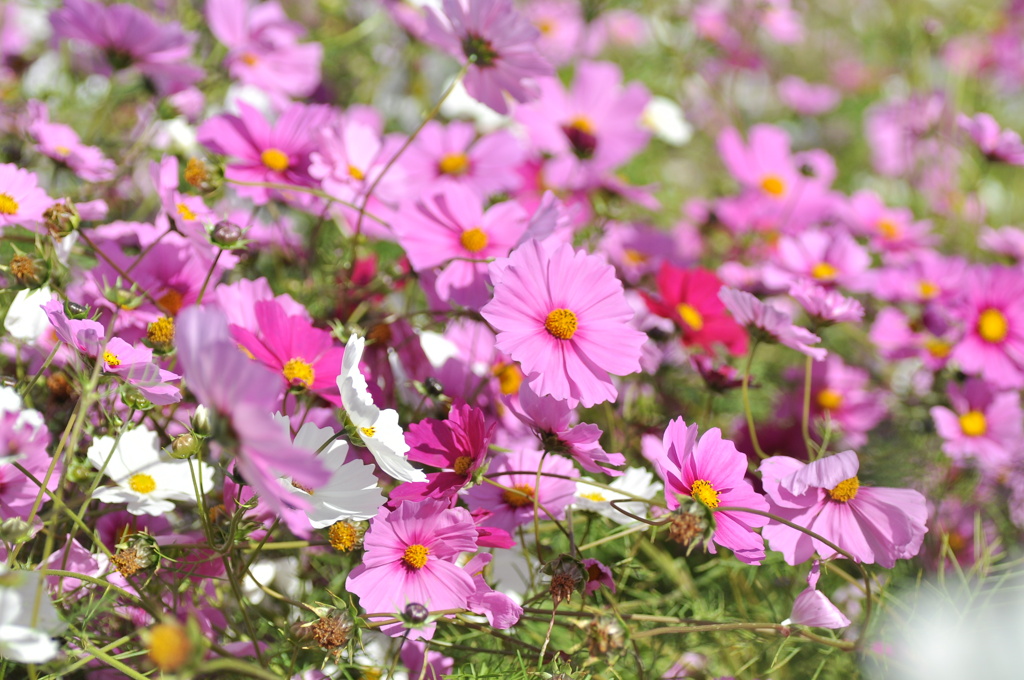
pixel 745 388
pixel 46 364
pixel 222 665
pixel 114 663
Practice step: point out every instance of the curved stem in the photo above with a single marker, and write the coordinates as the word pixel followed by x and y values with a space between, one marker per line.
pixel 746 403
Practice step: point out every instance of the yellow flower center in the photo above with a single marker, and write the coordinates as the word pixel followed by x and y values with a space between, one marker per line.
pixel 928 289
pixel 824 271
pixel 62 151
pixel 474 240
pixel 275 159
pixel 518 496
pixel 169 646
pixel 462 464
pixel 111 359
pixel 889 229
pixel 368 431
pixel 509 378
pixel 297 370
pixel 845 490
pixel 773 184
pixel 185 213
pixel 161 332
pixel 356 174
pixel 142 483
pixel 583 124
pixel 250 59
pixel 634 257
pixel 172 301
pixel 973 423
pixel 561 323
pixel 937 348
pixel 454 164
pixel 343 536
pixel 8 206
pixel 704 491
pixel 593 496
pixel 829 399
pixel 691 317
pixel 545 26
pixel 992 326
pixel 416 556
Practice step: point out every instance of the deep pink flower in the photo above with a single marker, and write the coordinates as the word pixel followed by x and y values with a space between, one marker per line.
pixel 291 346
pixel 984 424
pixel 451 227
pixel 551 419
pixel 518 471
pixel 563 316
pixel 992 312
pixel 994 142
pixel 453 152
pixel 498 44
pixel 770 323
pixel 266 152
pixel 597 575
pixel 409 558
pixel 874 525
pixel 128 36
pixel 22 202
pixel 712 471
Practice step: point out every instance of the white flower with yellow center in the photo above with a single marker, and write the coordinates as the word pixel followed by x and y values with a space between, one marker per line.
pixel 24 637
pixel 147 479
pixel 379 429
pixel 634 481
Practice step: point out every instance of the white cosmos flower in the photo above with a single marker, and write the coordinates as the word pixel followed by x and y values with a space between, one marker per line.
pixel 350 493
pixel 20 640
pixel 26 319
pixel 147 479
pixel 664 117
pixel 379 429
pixel 634 481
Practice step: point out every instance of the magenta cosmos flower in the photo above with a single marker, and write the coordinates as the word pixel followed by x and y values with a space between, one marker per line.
pixel 409 558
pixel 995 143
pixel 22 202
pixel 564 317
pixel 454 152
pixel 451 229
pixel 874 525
pixel 497 42
pixel 712 471
pixel 266 152
pixel 984 424
pixel 768 323
pixel 992 311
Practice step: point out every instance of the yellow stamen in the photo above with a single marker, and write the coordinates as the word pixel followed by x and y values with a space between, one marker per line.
pixel 937 348
pixel 343 536
pixel 691 317
pixel 111 359
pixel 889 229
pixel 992 326
pixel 416 556
pixel 634 257
pixel 161 332
pixel 275 159
pixel 518 496
pixel 297 370
pixel 561 324
pixel 845 490
pixel 474 240
pixel 249 59
pixel 704 491
pixel 974 423
pixel 185 213
pixel 356 174
pixel 583 124
pixel 824 271
pixel 62 151
pixel 509 378
pixel 368 431
pixel 593 496
pixel 928 289
pixel 142 483
pixel 829 399
pixel 454 164
pixel 773 184
pixel 462 465
pixel 8 206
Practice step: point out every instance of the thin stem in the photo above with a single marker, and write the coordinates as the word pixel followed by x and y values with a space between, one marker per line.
pixel 209 274
pixel 805 422
pixel 112 662
pixel 222 665
pixel 745 387
pixel 42 369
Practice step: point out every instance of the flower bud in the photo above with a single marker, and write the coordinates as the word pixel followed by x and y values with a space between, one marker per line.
pixel 15 530
pixel 185 446
pixel 27 270
pixel 133 398
pixel 226 234
pixel 200 421
pixel 62 218
pixel 415 613
pixel 73 310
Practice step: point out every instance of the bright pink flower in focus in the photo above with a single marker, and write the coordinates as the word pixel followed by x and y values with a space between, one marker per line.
pixel 874 525
pixel 135 366
pixel 769 323
pixel 84 335
pixel 451 227
pixel 409 558
pixel 563 316
pixel 712 471
pixel 690 298
pixel 992 312
pixel 984 424
pixel 453 152
pixel 498 44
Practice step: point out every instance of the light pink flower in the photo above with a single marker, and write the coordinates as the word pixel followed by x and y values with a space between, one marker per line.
pixel 826 306
pixel 830 258
pixel 62 144
pixel 135 366
pixel 22 202
pixel 769 323
pixel 995 143
pixel 453 152
pixel 808 99
pixel 812 608
pixel 985 425
pixel 563 316
pixel 992 312
pixel 874 525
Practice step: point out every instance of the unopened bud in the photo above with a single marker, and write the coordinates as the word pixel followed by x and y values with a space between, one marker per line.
pixel 200 421
pixel 185 446
pixel 133 398
pixel 226 234
pixel 62 218
pixel 415 613
pixel 73 310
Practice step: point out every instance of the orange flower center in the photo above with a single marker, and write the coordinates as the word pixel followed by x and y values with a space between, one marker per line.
pixel 275 159
pixel 823 271
pixel 561 324
pixel 829 399
pixel 416 556
pixel 462 465
pixel 773 184
pixel 454 164
pixel 992 326
pixel 519 496
pixel 474 240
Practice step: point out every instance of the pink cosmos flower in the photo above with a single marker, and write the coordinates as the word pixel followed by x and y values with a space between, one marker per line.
pixel 135 366
pixel 266 152
pixel 189 213
pixel 826 306
pixel 590 129
pixel 769 323
pixel 561 27
pixel 807 99
pixel 897 338
pixel 307 357
pixel 563 316
pixel 518 472
pixel 874 525
pixel 992 312
pixel 128 36
pixel 1007 241
pixel 62 144
pixel 712 471
pixel 812 608
pixel 501 611
pixel 22 202
pixel 765 163
pixel 246 399
pixel 459 445
pixel 984 424
pixel 637 250
pixel 453 152
pixel 497 43
pixel 891 230
pixel 84 335
pixel 409 558
pixel 24 440
pixel 830 258
pixel 263 48
pixel 597 575
pixel 926 277
pixel 452 224
pixel 690 298
pixel 551 420
pixel 995 143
